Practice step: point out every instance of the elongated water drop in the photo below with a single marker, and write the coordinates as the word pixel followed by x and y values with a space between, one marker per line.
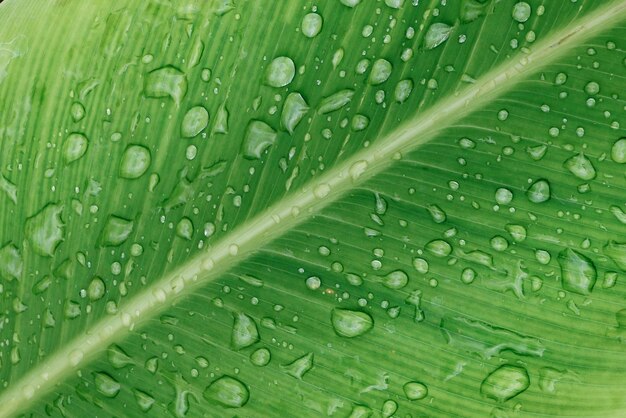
pixel 75 147
pixel 580 166
pixel 45 230
pixel 227 391
pixel 505 382
pixel 350 324
pixel 436 34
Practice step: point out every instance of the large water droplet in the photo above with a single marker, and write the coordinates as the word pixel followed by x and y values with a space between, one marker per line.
pixel 259 137
pixel 415 391
pixel 617 252
pixel 349 324
pixel 116 231
pixel 403 90
pixel 505 383
pixel 437 34
pixel 135 162
pixel 439 248
pixel 280 72
pixel 166 82
pixel 260 357
pixel 75 147
pixel 580 166
pixel 311 25
pixel 539 191
pixel 521 11
pixel 11 264
pixel 144 400
pixel 45 230
pixel 381 70
pixel 299 367
pixel 195 121
pixel 618 151
pixel 227 391
pixel 106 385
pixel 294 109
pixel 245 332
pixel 335 101
pixel 396 279
pixel 350 3
pixel 96 289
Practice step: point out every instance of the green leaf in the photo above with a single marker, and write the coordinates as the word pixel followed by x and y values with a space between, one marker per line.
pixel 291 208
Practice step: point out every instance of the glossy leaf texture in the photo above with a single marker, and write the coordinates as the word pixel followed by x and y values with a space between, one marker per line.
pixel 343 208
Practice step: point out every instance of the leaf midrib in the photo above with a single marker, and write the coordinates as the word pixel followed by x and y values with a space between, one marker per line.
pixel 282 217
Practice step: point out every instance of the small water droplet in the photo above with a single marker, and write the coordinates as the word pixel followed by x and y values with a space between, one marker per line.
pixel 414 391
pixel 539 191
pixel 505 383
pixel 259 137
pixel 135 162
pixel 381 70
pixel 167 81
pixel 521 11
pixel 311 25
pixel 436 34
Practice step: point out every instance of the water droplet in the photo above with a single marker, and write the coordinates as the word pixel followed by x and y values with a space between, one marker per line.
pixel 467 143
pixel 396 279
pixel 106 385
pixel 618 151
pixel 504 196
pixel 505 383
pixel 468 275
pixel 578 273
pixel 350 3
pixel 260 357
pixel 415 391
pixel 394 4
pixel 96 289
pixel 439 248
pixel 539 191
pixel 403 90
pixel 381 70
pixel 580 166
pixel 335 101
pixel 617 252
pixel 389 408
pixel 321 190
pixel 592 88
pixel 195 121
pixel 135 162
pixel 244 333
pixel 11 263
pixel 118 357
pixel 77 110
pixel 436 213
pixel 259 137
pixel 45 230
pixel 166 82
pixel 357 169
pixel 280 72
pixel 420 265
pixel 299 367
pixel 313 282
pixel 311 25
pixel 184 228
pixel 518 232
pixel 221 120
pixel 116 231
pixel 227 391
pixel 437 34
pixel 499 243
pixel 537 152
pixel 294 109
pixel 349 324
pixel 359 122
pixel 521 11
pixel 144 401
pixel 75 147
